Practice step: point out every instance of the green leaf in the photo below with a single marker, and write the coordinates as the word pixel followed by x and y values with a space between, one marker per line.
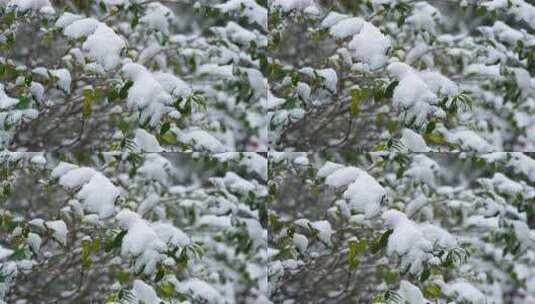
pixel 352 255
pixel 169 138
pixel 124 90
pixel 435 138
pixel 430 127
pixel 381 243
pixel 389 92
pixel 425 274
pixel 23 103
pixel 165 127
pixel 166 290
pixel 432 291
pixel 355 103
pixel 87 103
pixel 390 277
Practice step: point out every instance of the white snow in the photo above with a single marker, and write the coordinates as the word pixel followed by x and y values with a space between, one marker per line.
pixel 343 177
pixel 105 47
pixel 288 5
pixel 42 6
pixel 370 46
pixel 253 12
pixel 214 221
pixel 4 253
pixel 59 230
pixel 330 78
pixel 412 93
pixel 324 231
pixel 201 289
pixel 365 195
pixel 328 168
pixel 34 241
pixel 99 196
pixel 300 242
pixel 413 141
pixel 76 177
pixel 146 142
pixel 411 293
pixel 465 291
pixel 102 45
pixel 505 185
pixel 424 17
pixel 64 79
pixel 141 242
pixel 6 101
pixel 146 94
pixel 200 139
pixel 144 293
pixel 157 16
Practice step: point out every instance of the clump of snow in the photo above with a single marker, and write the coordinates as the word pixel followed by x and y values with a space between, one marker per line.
pixel 214 221
pixel 300 242
pixel 43 6
pixel 145 293
pixel 412 242
pixel 413 141
pixel 324 231
pixel 330 78
pixel 157 16
pixel 200 139
pixel 288 5
pixel 99 196
pixel 468 140
pixel 34 241
pixel 412 93
pixel 465 292
pixel 6 101
pixel 64 79
pixel 4 253
pixel 423 169
pixel 146 142
pixel 368 44
pixel 141 242
pixel 102 45
pixel 200 289
pixel 146 94
pixel 343 177
pixel 411 293
pixel 365 195
pixel 424 17
pixel 505 185
pixel 156 167
pixel 59 230
pixel 247 8
pixel 97 191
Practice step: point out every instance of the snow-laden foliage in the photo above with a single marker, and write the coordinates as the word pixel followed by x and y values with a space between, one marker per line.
pixel 133 75
pixel 401 228
pixel 402 75
pixel 133 228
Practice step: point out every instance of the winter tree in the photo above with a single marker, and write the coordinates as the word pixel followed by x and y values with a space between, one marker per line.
pixel 130 228
pixel 267 151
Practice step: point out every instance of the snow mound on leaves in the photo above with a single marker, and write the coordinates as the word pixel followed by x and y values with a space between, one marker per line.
pixel 147 242
pixel 414 242
pixel 363 192
pixel 43 6
pixel 368 44
pixel 147 94
pixel 97 192
pixel 102 45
